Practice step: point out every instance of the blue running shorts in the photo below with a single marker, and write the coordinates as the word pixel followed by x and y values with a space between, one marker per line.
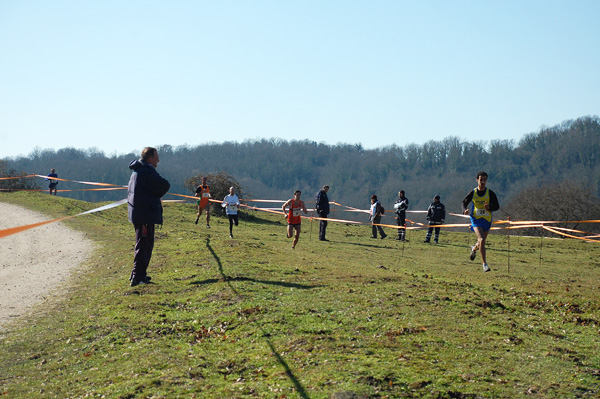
pixel 479 222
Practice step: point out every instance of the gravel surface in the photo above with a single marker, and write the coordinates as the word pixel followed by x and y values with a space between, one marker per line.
pixel 34 264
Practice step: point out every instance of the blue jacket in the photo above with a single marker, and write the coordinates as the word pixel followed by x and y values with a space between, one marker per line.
pixel 144 192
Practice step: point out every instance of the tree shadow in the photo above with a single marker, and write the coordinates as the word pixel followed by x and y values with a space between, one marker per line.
pixel 240 278
pixel 374 245
pixel 229 279
pixel 258 220
pixel 288 371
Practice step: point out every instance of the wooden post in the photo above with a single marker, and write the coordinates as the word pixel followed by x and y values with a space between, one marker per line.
pixel 405 238
pixel 508 244
pixel 541 244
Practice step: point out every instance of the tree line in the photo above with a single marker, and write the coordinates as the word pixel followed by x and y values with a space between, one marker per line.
pixel 274 168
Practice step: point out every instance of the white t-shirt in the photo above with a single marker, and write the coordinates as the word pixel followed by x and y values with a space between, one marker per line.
pixel 231 202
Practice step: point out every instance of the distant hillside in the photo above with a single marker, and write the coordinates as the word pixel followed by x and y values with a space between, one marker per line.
pixel 275 168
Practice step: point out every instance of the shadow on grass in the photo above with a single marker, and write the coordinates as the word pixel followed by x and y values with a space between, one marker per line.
pixel 280 283
pixel 467 247
pixel 288 371
pixel 258 220
pixel 374 245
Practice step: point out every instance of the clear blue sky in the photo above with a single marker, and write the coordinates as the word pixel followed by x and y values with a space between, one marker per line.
pixel 121 75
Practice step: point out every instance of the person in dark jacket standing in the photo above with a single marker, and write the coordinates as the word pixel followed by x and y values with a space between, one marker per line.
pixel 145 189
pixel 436 214
pixel 400 206
pixel 322 206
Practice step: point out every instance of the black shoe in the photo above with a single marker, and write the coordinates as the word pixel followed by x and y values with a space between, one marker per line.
pixel 382 237
pixel 136 281
pixel 323 239
pixel 426 241
pixel 196 222
pixel 473 253
pixel 373 236
pixel 436 241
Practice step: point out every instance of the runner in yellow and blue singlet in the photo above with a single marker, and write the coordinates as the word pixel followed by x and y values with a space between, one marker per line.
pixel 479 205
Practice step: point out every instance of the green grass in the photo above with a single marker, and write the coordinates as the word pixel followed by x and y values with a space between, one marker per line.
pixel 251 317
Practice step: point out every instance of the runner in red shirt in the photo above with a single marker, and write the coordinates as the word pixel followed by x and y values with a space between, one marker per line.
pixel 203 192
pixel 296 205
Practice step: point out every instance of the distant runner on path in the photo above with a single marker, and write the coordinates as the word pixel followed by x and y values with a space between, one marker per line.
pixel 53 182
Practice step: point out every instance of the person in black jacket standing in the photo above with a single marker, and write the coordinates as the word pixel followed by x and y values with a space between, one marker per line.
pixel 144 209
pixel 436 214
pixel 322 206
pixel 400 206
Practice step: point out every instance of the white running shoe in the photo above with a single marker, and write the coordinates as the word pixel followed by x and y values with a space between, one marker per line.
pixel 473 252
pixel 486 268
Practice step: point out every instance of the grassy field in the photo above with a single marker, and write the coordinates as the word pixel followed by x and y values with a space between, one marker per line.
pixel 349 318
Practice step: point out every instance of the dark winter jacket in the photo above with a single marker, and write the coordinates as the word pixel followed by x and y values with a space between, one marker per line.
pixel 146 187
pixel 436 214
pixel 322 202
pixel 401 205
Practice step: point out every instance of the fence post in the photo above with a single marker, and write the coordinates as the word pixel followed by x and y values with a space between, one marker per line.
pixel 508 245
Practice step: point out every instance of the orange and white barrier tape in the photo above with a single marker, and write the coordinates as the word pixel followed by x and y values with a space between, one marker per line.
pixel 16 177
pixel 555 231
pixel 15 230
pixel 497 225
pixel 81 182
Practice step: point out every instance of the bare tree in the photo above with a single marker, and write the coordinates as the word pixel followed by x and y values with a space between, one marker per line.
pixel 565 201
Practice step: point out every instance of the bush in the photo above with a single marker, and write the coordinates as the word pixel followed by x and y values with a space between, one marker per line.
pixel 219 184
pixel 20 182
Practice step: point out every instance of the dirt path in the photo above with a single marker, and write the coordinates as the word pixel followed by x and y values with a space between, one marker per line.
pixel 34 263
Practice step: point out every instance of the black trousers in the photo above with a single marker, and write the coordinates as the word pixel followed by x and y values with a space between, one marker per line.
pixel 322 225
pixel 401 222
pixel 430 230
pixel 233 219
pixel 144 244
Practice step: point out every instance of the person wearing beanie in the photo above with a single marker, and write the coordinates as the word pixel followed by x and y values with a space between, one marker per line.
pixel 436 215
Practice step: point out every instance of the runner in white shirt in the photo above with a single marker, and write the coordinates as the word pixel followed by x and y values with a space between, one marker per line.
pixel 231 202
